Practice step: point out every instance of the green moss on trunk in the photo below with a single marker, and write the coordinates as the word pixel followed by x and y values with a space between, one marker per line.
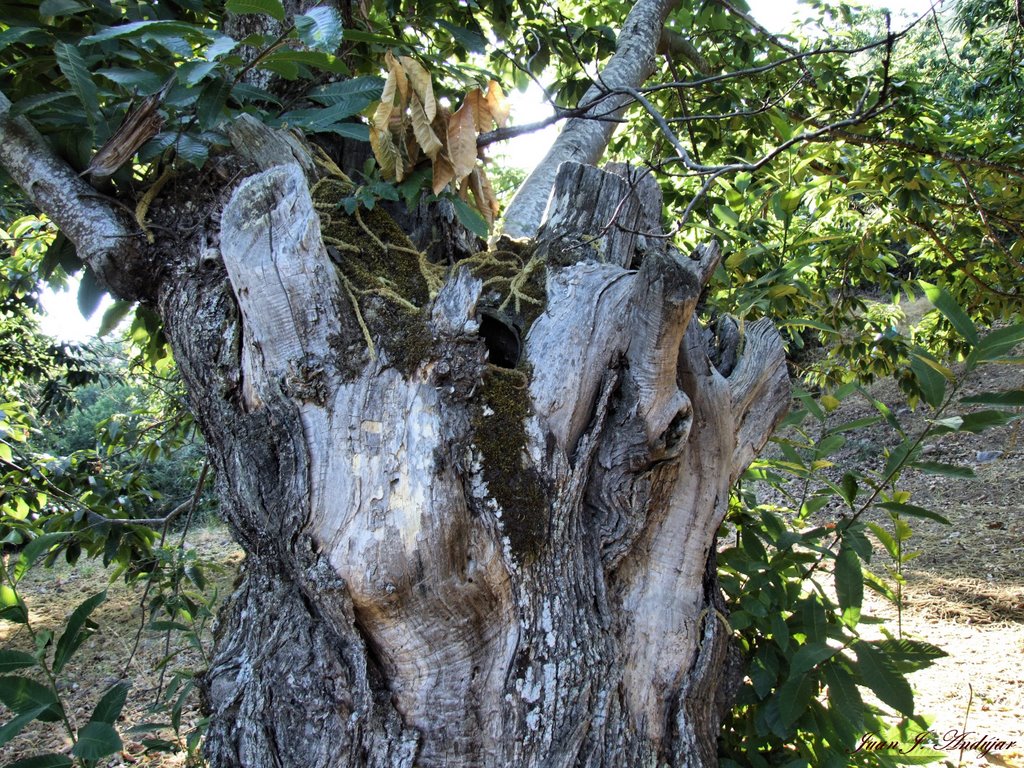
pixel 499 432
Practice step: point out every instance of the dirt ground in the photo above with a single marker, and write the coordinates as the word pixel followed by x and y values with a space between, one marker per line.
pixel 965 593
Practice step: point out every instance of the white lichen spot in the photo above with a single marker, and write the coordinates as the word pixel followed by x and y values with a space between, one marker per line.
pixel 533 720
pixel 547 624
pixel 530 688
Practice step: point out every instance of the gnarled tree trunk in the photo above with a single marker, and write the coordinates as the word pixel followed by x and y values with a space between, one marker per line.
pixel 478 507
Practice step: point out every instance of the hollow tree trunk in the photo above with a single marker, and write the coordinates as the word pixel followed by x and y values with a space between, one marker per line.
pixel 452 562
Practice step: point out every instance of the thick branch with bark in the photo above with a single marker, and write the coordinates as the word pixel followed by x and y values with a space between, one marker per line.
pixel 103 235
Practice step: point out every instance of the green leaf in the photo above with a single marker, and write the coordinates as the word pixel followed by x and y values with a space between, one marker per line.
pixel 856 424
pixel 946 470
pixel 912 510
pixel 469 39
pixel 144 29
pixel 890 544
pixel 999 343
pixel 191 150
pixel 815 623
pixel 849 488
pixel 933 383
pixel 54 8
pixel 356 94
pixel 90 294
pixel 76 632
pixel 849 581
pixel 109 707
pixel 794 697
pixel 780 631
pixel 470 218
pixel 978 422
pixel 21 695
pixel 245 92
pixel 726 215
pixel 358 36
pixel 113 316
pixel 221 46
pixel 909 656
pixel 843 694
pixel 12 607
pixel 273 8
pixel 209 109
pixel 877 673
pixel 355 131
pixel 945 303
pixel 11 661
pixel 1011 398
pixel 74 68
pixel 898 458
pixel 790 201
pixel 320 28
pixel 13 727
pixel 141 81
pixel 810 655
pixel 14 34
pixel 96 740
pixel 854 538
pixel 318 119
pixel 31 103
pixel 192 72
pixel 287 62
pixel 49 760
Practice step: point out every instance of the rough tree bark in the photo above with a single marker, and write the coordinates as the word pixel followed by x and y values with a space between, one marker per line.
pixel 452 562
pixel 478 505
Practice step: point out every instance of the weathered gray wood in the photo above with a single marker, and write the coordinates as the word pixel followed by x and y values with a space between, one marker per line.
pixel 456 564
pixel 603 229
pixel 267 147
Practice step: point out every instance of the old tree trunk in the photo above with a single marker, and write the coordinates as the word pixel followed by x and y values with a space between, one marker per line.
pixel 477 503
pixel 478 493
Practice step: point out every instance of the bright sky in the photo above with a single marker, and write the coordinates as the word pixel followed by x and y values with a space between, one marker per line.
pixel 64 321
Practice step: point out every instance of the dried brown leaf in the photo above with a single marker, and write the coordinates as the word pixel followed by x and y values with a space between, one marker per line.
pixel 421 129
pixel 483 120
pixel 419 78
pixel 401 81
pixel 476 186
pixel 444 174
pixel 497 104
pixel 382 115
pixel 462 141
pixel 385 151
pixel 490 199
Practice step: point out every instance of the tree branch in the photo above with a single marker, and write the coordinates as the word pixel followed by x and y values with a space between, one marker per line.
pixel 674 44
pixel 584 140
pixel 102 235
